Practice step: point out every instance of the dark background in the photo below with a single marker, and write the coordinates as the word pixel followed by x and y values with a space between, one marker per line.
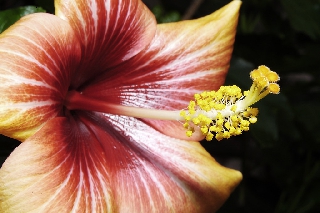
pixel 280 155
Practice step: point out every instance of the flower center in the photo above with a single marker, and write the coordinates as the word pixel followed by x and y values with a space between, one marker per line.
pixel 218 114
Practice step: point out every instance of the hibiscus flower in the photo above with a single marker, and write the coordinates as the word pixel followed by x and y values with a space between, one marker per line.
pixel 106 153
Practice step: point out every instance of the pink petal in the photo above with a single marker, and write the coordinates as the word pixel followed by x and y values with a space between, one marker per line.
pixel 51 172
pixel 184 58
pixel 38 55
pixel 111 31
pixel 111 164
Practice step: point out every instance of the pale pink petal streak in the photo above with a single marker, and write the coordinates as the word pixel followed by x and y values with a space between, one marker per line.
pixel 111 31
pixel 168 68
pixel 38 55
pixel 184 58
pixel 151 171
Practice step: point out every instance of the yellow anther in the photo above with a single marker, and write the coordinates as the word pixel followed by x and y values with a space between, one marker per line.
pixel 218 96
pixel 201 117
pixel 273 76
pixel 220 122
pixel 182 113
pixel 196 121
pixel 209 136
pixel 262 82
pixel 226 134
pixel 219 128
pixel 244 123
pixel 199 101
pixel 253 111
pixel 219 115
pixel 203 94
pixel 204 130
pixel 219 106
pixel 238 131
pixel 227 112
pixel 227 125
pixel 253 119
pixel 264 69
pixel 234 108
pixel 207 108
pixel 234 118
pixel 274 88
pixel 219 136
pixel 212 129
pixel 246 114
pixel 232 130
pixel 235 124
pixel 254 74
pixel 189 133
pixel 192 103
pixel 207 121
pixel 245 128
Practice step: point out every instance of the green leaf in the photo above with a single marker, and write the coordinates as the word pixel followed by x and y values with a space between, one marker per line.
pixel 9 17
pixel 304 16
pixel 163 16
pixel 48 5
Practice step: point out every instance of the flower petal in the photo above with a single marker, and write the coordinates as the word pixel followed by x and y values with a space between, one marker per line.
pixel 38 55
pixel 171 172
pixel 111 31
pixel 184 58
pixel 72 165
pixel 52 169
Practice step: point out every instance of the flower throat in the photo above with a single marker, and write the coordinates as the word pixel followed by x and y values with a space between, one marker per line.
pixel 217 114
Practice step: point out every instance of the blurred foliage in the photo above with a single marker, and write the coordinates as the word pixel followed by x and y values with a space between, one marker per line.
pixel 10 16
pixel 280 156
pixel 163 16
